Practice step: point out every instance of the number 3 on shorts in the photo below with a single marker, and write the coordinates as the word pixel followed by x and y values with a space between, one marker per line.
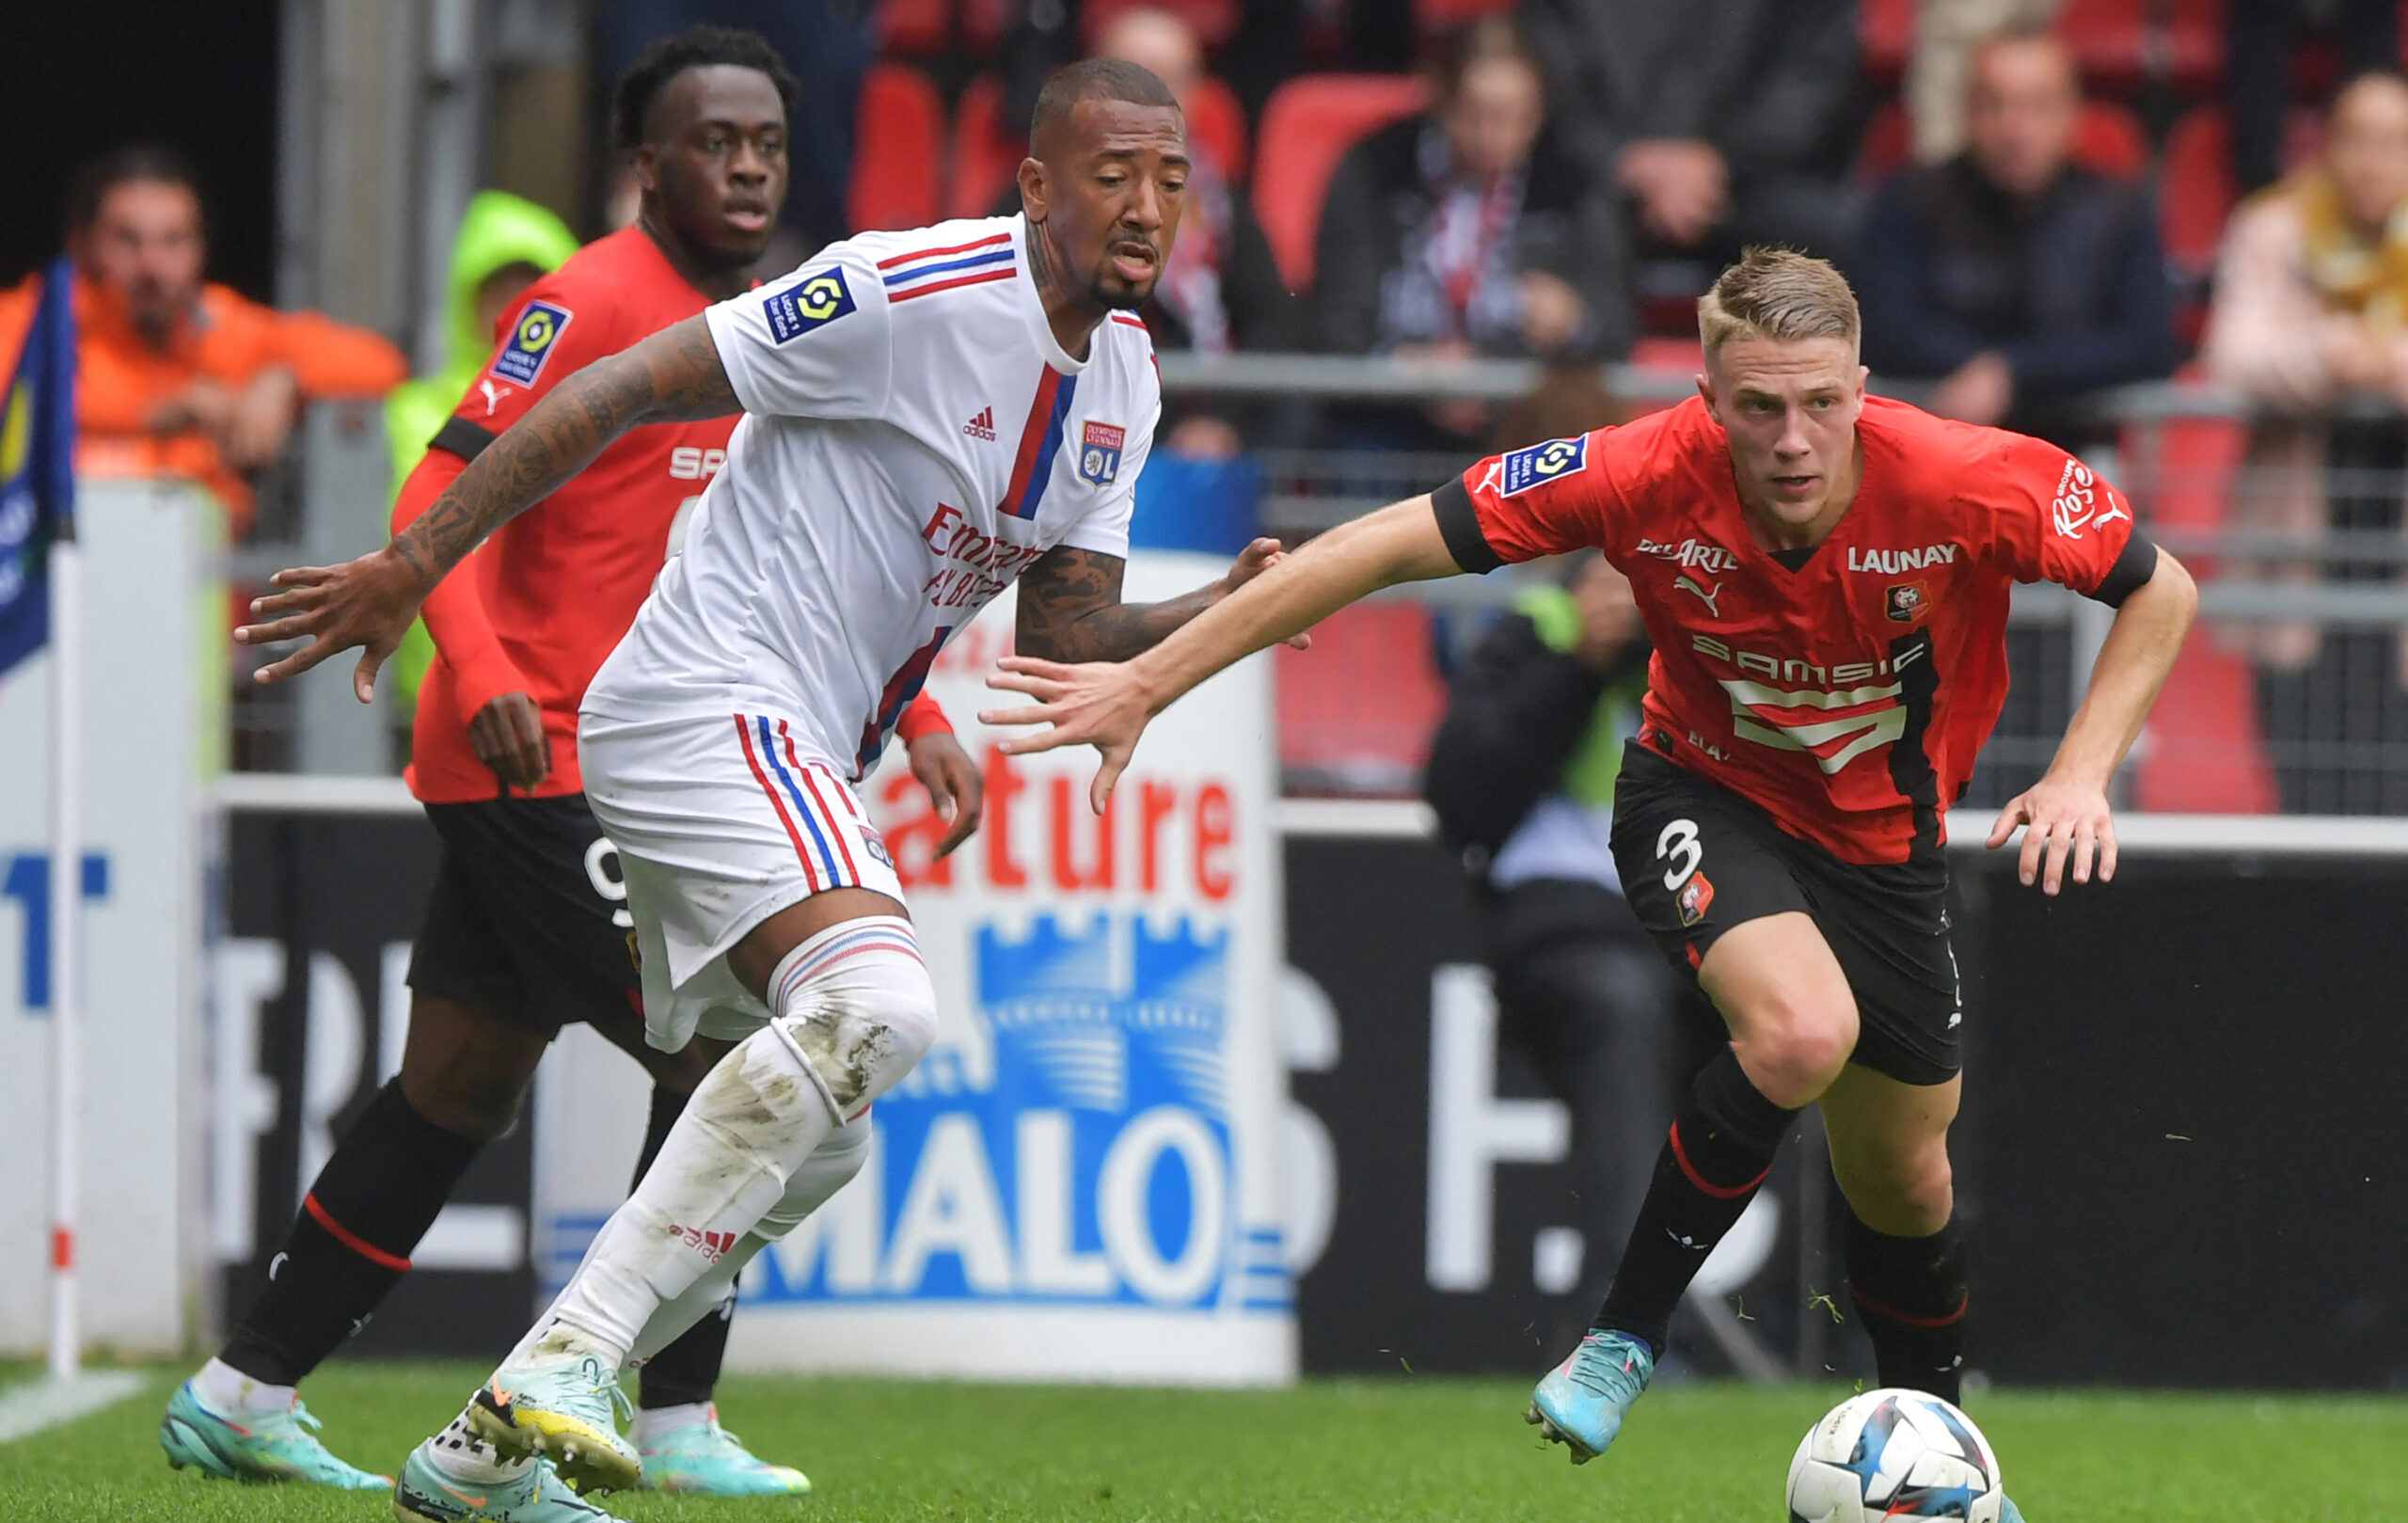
pixel 1678 842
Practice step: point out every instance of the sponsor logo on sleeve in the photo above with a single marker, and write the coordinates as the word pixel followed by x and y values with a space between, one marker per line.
pixel 1100 454
pixel 2084 502
pixel 1543 463
pixel 813 302
pixel 529 343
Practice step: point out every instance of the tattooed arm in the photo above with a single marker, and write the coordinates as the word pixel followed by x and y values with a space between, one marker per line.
pixel 674 375
pixel 1071 608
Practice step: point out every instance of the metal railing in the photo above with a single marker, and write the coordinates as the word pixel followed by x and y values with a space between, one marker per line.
pixel 2313 607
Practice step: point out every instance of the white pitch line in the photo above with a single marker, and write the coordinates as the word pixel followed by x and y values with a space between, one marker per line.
pixel 28 1409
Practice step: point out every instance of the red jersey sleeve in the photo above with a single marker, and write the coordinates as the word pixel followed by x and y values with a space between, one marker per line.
pixel 1526 504
pixel 2050 518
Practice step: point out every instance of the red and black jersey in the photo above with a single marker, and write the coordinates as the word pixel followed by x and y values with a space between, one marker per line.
pixel 1846 691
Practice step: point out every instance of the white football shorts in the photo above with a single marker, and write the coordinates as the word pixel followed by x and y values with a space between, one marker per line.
pixel 719 824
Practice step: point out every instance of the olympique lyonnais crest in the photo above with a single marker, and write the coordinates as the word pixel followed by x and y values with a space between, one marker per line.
pixel 1100 454
pixel 1908 601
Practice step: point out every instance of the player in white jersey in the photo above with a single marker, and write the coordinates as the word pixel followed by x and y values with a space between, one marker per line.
pixel 930 416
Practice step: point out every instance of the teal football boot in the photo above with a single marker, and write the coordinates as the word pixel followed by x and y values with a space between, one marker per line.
pixel 562 1407
pixel 256 1445
pixel 703 1459
pixel 426 1495
pixel 1581 1403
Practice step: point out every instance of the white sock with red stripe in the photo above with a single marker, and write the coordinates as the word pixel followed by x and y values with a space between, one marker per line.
pixel 855 1012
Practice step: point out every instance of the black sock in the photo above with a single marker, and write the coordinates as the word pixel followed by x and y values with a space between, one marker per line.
pixel 352 1239
pixel 687 1371
pixel 1910 1292
pixel 1720 1149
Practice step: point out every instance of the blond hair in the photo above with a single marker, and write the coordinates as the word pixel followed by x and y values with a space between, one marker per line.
pixel 1777 293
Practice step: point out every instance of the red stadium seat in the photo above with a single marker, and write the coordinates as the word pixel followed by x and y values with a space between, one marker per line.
pixel 1436 16
pixel 985 155
pixel 914 27
pixel 1213 20
pixel 898 151
pixel 1215 121
pixel 1358 710
pixel 2206 753
pixel 2195 193
pixel 2108 138
pixel 2193 42
pixel 1307 125
pixel 1885 32
pixel 2111 40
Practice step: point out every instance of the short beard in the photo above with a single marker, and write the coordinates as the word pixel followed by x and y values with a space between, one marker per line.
pixel 1120 301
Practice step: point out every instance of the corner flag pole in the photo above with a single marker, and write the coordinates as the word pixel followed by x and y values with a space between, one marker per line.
pixel 66 961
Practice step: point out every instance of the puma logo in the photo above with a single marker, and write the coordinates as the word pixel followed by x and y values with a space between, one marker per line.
pixel 493 394
pixel 1690 584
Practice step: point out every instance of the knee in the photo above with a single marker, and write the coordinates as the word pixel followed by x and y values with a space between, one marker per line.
pixel 864 1022
pixel 1793 1047
pixel 1905 1192
pixel 478 1106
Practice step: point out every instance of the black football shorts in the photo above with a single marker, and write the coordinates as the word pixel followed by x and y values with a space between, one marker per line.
pixel 528 917
pixel 1697 859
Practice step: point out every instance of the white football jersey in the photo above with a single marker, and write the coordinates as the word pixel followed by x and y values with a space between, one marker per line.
pixel 914 437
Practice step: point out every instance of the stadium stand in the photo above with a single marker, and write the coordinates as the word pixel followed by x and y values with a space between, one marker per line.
pixel 1215 22
pixel 1357 712
pixel 1307 125
pixel 985 155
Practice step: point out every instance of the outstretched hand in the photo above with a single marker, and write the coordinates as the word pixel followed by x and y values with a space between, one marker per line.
pixel 1099 703
pixel 2063 820
pixel 1259 556
pixel 365 604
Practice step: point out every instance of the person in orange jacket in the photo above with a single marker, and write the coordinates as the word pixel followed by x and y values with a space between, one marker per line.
pixel 175 376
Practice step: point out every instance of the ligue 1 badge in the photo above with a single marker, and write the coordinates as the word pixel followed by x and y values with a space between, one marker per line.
pixel 1100 454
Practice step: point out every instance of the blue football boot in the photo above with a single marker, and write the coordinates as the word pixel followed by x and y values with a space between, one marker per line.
pixel 1581 1403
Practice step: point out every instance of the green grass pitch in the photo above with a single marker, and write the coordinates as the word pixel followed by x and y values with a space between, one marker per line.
pixel 1328 1451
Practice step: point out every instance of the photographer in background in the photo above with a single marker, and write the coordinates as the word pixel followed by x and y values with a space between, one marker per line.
pixel 1522 777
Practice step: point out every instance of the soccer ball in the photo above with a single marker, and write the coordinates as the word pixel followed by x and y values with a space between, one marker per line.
pixel 1894 1455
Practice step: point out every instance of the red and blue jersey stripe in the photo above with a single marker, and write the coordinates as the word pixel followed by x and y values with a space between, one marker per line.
pixel 926 270
pixel 1040 441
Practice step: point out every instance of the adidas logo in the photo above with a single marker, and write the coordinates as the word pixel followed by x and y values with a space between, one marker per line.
pixel 709 1245
pixel 982 426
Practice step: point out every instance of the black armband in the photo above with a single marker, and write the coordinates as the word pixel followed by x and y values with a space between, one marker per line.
pixel 2130 571
pixel 1459 526
pixel 461 437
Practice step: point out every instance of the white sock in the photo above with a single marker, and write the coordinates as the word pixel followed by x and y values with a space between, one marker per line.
pixel 459 1454
pixel 653 1421
pixel 854 1011
pixel 231 1394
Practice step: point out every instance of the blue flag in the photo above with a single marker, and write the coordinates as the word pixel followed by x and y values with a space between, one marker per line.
pixel 36 467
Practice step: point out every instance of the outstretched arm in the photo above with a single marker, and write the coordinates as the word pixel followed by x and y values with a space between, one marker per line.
pixel 2066 812
pixel 1107 705
pixel 674 375
pixel 1071 608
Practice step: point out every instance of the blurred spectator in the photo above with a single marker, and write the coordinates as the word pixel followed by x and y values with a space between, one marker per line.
pixel 1725 122
pixel 2261 36
pixel 2010 273
pixel 1939 70
pixel 828 46
pixel 175 376
pixel 1271 41
pixel 2312 308
pixel 1471 230
pixel 505 245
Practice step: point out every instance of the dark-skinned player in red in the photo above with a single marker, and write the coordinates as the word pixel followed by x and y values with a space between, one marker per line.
pixel 1825 576
pixel 526 927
